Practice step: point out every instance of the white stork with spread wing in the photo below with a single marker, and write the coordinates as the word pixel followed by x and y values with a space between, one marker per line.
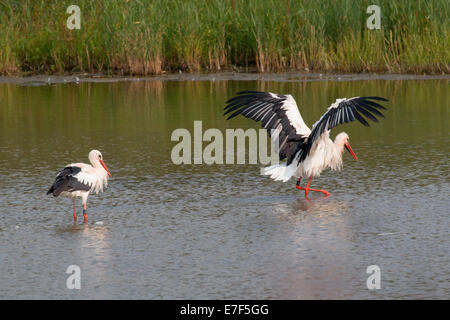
pixel 307 152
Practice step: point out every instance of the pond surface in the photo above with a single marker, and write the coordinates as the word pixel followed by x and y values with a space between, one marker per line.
pixel 162 230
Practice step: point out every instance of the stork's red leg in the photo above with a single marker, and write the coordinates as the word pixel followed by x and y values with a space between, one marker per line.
pixel 74 211
pixel 84 212
pixel 308 189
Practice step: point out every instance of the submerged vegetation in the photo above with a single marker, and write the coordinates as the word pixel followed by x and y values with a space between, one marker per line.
pixel 138 37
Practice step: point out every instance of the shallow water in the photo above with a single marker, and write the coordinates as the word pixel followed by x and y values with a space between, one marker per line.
pixel 221 231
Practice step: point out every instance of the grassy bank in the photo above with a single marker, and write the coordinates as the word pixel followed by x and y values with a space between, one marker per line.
pixel 150 37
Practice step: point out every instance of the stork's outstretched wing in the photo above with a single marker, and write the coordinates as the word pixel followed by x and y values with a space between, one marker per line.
pixel 343 110
pixel 276 112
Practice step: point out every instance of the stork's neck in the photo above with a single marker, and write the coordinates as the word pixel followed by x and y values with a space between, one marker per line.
pixel 339 146
pixel 101 172
pixel 335 158
pixel 339 142
pixel 96 164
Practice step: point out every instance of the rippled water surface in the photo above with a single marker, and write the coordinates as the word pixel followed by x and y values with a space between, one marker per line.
pixel 221 231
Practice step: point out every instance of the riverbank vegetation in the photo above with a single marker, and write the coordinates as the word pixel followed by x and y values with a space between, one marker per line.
pixel 135 37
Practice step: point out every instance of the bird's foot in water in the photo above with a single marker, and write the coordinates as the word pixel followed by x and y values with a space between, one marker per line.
pixel 325 192
pixel 307 190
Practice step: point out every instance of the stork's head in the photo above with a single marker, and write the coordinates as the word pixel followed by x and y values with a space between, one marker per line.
pixel 95 157
pixel 341 141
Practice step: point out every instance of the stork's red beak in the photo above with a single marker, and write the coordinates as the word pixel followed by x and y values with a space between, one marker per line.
pixel 347 145
pixel 104 166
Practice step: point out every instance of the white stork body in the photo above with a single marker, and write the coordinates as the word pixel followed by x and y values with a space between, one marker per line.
pixel 78 180
pixel 325 154
pixel 95 177
pixel 308 152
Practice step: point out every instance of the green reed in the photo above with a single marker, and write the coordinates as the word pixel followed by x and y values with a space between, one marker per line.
pixel 143 37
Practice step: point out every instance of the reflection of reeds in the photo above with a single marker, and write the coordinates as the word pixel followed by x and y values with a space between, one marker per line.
pixel 149 37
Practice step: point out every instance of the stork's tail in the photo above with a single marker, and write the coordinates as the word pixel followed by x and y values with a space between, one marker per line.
pixel 280 172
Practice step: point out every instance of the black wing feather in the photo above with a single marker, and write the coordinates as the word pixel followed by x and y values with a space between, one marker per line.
pixel 347 110
pixel 262 106
pixel 65 181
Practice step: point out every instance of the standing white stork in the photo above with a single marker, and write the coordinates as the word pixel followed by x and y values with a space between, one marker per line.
pixel 80 179
pixel 308 152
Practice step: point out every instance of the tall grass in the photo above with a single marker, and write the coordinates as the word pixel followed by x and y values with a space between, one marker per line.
pixel 140 37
